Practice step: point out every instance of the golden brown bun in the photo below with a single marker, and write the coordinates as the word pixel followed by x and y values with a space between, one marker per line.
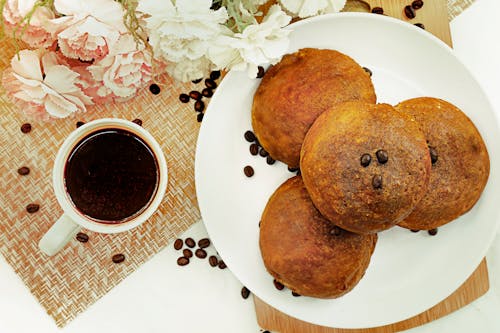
pixel 342 189
pixel 461 171
pixel 307 253
pixel 299 88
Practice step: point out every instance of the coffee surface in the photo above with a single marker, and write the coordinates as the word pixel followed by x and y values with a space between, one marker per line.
pixel 111 175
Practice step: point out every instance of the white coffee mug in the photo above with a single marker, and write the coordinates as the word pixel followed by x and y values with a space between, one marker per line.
pixel 72 220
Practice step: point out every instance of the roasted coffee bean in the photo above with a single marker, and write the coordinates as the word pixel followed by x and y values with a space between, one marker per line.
pixel 184 98
pixel 368 71
pixel 137 121
pixel 248 170
pixel 295 294
pixel 210 84
pixel 414 230
pixel 433 232
pixel 263 152
pixel 118 258
pixel 207 92
pixel 293 169
pixel 204 243
pixel 79 123
pixel 26 128
pixel 215 75
pixel 213 261
pixel 182 261
pixel 187 253
pixel 409 12
pixel 245 292
pixel 382 156
pixel 365 160
pixel 270 160
pixel 417 4
pixel 82 237
pixel 197 81
pixel 378 10
pixel 196 95
pixel 278 285
pixel 260 72
pixel 434 155
pixel 420 25
pixel 336 231
pixel 200 253
pixel 199 117
pixel 254 149
pixel 249 136
pixel 222 264
pixel 32 208
pixel 190 242
pixel 199 106
pixel 377 182
pixel 178 244
pixel 154 89
pixel 23 171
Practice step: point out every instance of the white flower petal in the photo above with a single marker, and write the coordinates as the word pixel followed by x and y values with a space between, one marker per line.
pixel 27 65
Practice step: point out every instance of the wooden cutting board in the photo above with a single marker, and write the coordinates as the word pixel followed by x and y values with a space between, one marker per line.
pixel 434 16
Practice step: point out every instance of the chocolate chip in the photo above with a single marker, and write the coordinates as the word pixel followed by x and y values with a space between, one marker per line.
pixel 254 149
pixel 382 156
pixel 409 12
pixel 222 264
pixel 368 71
pixel 365 160
pixel 32 208
pixel 336 231
pixel 23 171
pixel 213 261
pixel 414 230
pixel 196 95
pixel 270 160
pixel 118 258
pixel 378 10
pixel 215 75
pixel 26 128
pixel 137 121
pixel 263 152
pixel 154 89
pixel 417 4
pixel 293 169
pixel 187 253
pixel 295 294
pixel 190 242
pixel 199 117
pixel 434 155
pixel 245 292
pixel 248 170
pixel 420 25
pixel 200 253
pixel 197 80
pixel 82 237
pixel 182 261
pixel 207 92
pixel 178 244
pixel 79 124
pixel 377 182
pixel 204 243
pixel 278 285
pixel 249 136
pixel 433 232
pixel 210 84
pixel 260 72
pixel 184 98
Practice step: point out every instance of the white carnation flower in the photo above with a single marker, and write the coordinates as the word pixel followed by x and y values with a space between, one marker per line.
pixel 189 70
pixel 306 8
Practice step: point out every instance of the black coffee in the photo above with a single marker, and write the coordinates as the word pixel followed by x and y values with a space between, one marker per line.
pixel 111 175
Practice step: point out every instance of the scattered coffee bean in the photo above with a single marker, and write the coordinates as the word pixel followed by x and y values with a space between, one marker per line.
pixel 182 261
pixel 187 253
pixel 215 75
pixel 250 136
pixel 378 10
pixel 434 155
pixel 204 243
pixel 79 124
pixel 23 171
pixel 137 121
pixel 178 244
pixel 184 98
pixel 199 106
pixel 266 331
pixel 336 231
pixel 278 285
pixel 26 128
pixel 213 261
pixel 210 84
pixel 420 25
pixel 154 89
pixel 293 169
pixel 414 230
pixel 254 149
pixel 368 71
pixel 409 12
pixel 197 81
pixel 32 208
pixel 377 182
pixel 207 92
pixel 295 294
pixel 118 258
pixel 263 152
pixel 222 264
pixel 270 160
pixel 245 292
pixel 417 4
pixel 200 253
pixel 199 117
pixel 365 160
pixel 248 170
pixel 260 72
pixel 382 156
pixel 190 242
pixel 82 237
pixel 433 232
pixel 196 95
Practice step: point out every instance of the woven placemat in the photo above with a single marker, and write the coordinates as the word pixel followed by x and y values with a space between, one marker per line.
pixel 67 283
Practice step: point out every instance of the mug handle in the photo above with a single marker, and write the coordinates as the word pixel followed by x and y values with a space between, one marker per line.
pixel 58 235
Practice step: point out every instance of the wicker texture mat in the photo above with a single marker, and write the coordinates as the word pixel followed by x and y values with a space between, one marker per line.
pixel 67 283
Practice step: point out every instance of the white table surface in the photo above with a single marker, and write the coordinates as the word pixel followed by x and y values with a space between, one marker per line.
pixel 163 297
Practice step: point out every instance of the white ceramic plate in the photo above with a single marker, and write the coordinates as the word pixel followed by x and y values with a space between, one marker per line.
pixel 409 272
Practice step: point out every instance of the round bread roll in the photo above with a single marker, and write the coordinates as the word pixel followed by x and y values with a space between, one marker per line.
pixel 460 162
pixel 299 88
pixel 307 253
pixel 365 166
